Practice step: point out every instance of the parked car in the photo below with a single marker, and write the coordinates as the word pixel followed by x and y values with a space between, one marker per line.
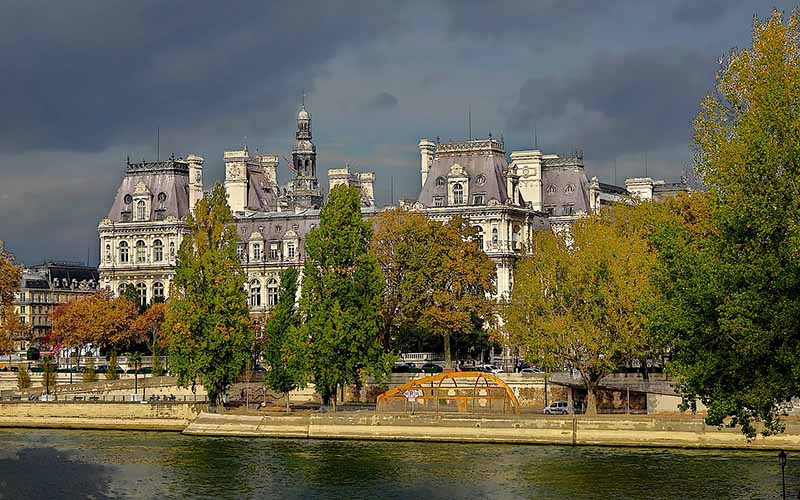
pixel 557 408
pixel 531 369
pixel 431 368
pixel 491 369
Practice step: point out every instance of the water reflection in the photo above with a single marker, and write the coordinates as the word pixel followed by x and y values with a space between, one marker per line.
pixel 87 464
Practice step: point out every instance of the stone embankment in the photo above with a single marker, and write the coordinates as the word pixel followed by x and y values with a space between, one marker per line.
pixel 639 431
pixel 121 416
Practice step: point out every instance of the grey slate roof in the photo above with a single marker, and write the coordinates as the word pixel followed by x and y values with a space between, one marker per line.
pixel 482 159
pixel 261 196
pixel 170 177
pixel 560 173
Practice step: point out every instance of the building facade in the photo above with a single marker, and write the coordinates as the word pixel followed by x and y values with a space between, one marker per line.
pixel 507 197
pixel 42 288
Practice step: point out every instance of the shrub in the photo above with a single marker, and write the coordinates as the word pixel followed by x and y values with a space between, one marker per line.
pixel 90 375
pixel 23 379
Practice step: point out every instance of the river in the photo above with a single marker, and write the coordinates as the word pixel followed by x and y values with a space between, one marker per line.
pixel 54 464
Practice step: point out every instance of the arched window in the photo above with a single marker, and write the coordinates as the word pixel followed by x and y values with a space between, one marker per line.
pixel 121 289
pixel 440 181
pixel 255 293
pixel 272 292
pixel 141 293
pixel 140 251
pixel 479 237
pixel 458 194
pixel 158 291
pixel 158 251
pixel 140 212
pixel 162 200
pixel 171 249
pixel 123 251
pixel 494 236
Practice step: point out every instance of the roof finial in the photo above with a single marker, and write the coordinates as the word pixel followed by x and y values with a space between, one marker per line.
pixel 304 99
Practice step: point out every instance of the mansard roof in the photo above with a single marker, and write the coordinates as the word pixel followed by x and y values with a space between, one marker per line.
pixel 564 182
pixel 483 162
pixel 261 194
pixel 170 177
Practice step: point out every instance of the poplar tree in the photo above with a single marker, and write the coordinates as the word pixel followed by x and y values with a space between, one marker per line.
pixel 285 352
pixel 341 296
pixel 207 324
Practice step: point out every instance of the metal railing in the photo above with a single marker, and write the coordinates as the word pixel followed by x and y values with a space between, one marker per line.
pixel 104 398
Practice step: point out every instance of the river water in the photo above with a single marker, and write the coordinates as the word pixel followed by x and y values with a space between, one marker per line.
pixel 45 464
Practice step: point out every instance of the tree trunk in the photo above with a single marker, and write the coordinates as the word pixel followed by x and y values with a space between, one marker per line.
pixel 591 399
pixel 287 402
pixel 448 361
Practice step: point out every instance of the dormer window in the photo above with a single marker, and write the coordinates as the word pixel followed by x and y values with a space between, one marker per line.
pixel 438 201
pixel 458 194
pixel 551 189
pixel 141 206
pixel 440 181
pixel 569 189
pixel 256 251
pixel 479 199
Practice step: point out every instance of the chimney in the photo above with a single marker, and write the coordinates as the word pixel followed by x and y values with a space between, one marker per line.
pixel 426 151
pixel 195 179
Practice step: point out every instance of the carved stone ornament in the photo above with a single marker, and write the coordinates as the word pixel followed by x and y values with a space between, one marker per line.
pixel 493 202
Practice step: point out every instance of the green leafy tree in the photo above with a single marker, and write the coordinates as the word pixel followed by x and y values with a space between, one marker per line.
pixel 583 303
pixel 743 359
pixel 341 296
pixel 207 323
pixel 287 365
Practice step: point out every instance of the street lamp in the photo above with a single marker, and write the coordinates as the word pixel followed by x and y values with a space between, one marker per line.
pixel 782 460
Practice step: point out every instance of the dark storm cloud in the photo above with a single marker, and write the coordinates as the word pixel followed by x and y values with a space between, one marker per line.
pixel 530 19
pixel 380 102
pixel 634 102
pixel 700 13
pixel 80 75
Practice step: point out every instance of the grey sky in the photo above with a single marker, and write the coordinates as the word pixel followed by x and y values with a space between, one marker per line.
pixel 87 83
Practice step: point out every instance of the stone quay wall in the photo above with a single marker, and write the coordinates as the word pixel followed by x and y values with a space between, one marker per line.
pixel 80 415
pixel 604 430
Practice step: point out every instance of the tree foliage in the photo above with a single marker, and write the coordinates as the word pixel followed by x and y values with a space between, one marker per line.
pixel 10 326
pixel 147 327
pixel 287 361
pixel 583 303
pixel 207 324
pixel 98 319
pixel 438 281
pixel 742 358
pixel 341 296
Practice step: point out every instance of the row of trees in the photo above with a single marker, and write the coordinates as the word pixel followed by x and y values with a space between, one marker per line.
pixel 711 281
pixel 361 296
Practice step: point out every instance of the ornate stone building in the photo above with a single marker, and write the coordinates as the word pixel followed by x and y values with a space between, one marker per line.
pixel 507 200
pixel 144 228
